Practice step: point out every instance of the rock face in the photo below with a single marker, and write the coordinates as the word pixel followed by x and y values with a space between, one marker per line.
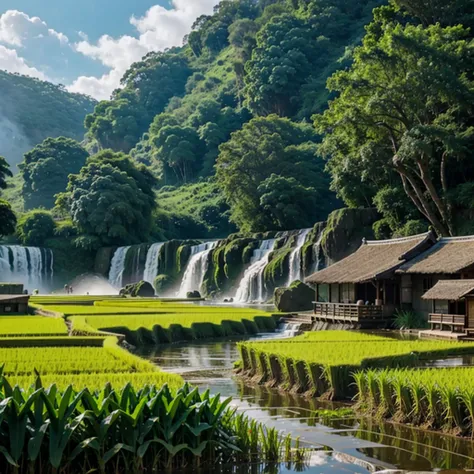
pixel 298 297
pixel 345 230
pixel 142 289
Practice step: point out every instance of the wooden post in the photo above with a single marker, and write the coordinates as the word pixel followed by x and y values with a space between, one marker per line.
pixel 384 292
pixel 317 292
pixel 378 290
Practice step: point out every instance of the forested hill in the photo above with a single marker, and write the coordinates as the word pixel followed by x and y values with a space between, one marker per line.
pixel 272 114
pixel 32 110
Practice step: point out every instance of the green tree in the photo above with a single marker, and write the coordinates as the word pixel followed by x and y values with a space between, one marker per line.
pixel 288 50
pixel 404 109
pixel 110 201
pixel 35 227
pixel 289 204
pixel 4 172
pixel 7 219
pixel 266 146
pixel 45 170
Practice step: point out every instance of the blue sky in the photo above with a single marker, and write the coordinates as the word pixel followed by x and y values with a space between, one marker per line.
pixel 88 44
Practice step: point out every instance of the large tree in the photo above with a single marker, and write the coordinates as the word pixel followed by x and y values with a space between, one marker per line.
pixel 46 168
pixel 404 110
pixel 265 147
pixel 110 201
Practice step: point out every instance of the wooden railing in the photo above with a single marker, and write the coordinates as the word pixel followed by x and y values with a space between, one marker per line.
pixel 346 312
pixel 450 320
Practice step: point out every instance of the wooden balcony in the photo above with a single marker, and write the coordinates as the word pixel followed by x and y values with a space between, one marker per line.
pixel 452 321
pixel 351 313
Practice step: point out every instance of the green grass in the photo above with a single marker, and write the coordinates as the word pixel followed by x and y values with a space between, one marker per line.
pixel 31 326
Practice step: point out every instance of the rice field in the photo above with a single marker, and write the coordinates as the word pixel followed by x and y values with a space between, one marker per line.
pixel 324 363
pixel 31 326
pixel 435 398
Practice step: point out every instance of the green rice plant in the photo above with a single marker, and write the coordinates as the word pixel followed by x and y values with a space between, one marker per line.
pixel 11 326
pixel 452 408
pixel 467 398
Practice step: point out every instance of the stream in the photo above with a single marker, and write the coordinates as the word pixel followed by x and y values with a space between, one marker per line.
pixel 343 445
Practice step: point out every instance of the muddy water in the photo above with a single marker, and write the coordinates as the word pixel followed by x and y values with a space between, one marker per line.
pixel 344 445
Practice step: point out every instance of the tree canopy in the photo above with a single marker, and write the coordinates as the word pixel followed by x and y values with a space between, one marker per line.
pixel 254 158
pixel 404 111
pixel 46 168
pixel 110 201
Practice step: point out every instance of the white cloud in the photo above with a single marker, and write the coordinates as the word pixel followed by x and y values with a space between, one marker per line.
pixel 11 62
pixel 158 29
pixel 17 28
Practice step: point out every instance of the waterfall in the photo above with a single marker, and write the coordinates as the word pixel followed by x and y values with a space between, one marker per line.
pixel 288 329
pixel 151 265
pixel 196 268
pixel 117 267
pixel 318 261
pixel 295 257
pixel 31 266
pixel 251 287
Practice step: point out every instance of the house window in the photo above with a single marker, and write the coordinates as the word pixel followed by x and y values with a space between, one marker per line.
pixel 427 284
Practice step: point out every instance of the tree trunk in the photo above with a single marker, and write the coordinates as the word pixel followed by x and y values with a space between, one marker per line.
pixel 416 195
pixel 425 177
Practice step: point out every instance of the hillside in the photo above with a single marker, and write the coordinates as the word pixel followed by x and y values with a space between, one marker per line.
pixel 32 110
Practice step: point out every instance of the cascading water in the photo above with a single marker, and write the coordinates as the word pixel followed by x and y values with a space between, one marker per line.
pixel 117 267
pixel 196 268
pixel 151 265
pixel 31 266
pixel 317 257
pixel 295 257
pixel 251 287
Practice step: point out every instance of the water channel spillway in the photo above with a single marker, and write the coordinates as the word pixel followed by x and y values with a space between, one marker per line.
pixel 367 442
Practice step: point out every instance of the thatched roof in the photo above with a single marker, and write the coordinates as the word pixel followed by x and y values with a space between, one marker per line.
pixel 448 256
pixel 374 259
pixel 449 290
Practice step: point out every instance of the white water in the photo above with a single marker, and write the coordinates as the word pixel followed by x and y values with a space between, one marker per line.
pixel 151 265
pixel 295 258
pixel 117 267
pixel 318 261
pixel 196 268
pixel 289 329
pixel 251 287
pixel 31 266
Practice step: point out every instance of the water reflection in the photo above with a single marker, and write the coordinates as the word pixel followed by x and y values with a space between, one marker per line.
pixel 360 444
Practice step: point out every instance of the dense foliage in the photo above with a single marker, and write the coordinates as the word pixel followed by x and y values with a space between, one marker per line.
pixel 46 168
pixel 33 110
pixel 7 219
pixel 35 227
pixel 110 201
pixel 272 177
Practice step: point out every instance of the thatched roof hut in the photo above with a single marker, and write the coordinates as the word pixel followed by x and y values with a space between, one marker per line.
pixel 448 256
pixel 373 260
pixel 451 290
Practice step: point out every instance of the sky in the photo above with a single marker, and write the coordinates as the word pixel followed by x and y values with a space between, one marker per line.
pixel 87 45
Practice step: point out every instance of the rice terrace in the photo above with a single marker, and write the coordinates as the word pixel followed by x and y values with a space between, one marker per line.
pixel 236 236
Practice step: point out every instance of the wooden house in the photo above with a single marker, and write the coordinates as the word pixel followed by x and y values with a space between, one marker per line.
pixel 439 281
pixel 14 304
pixel 364 287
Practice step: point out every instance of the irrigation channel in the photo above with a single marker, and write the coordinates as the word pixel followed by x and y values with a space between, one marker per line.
pixel 338 445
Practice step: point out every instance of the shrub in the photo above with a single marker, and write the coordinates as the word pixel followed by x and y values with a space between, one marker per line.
pixel 405 319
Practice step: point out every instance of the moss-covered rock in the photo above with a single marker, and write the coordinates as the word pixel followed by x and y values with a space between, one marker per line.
pixel 276 271
pixel 193 295
pixel 164 283
pixel 141 289
pixel 298 297
pixel 345 230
